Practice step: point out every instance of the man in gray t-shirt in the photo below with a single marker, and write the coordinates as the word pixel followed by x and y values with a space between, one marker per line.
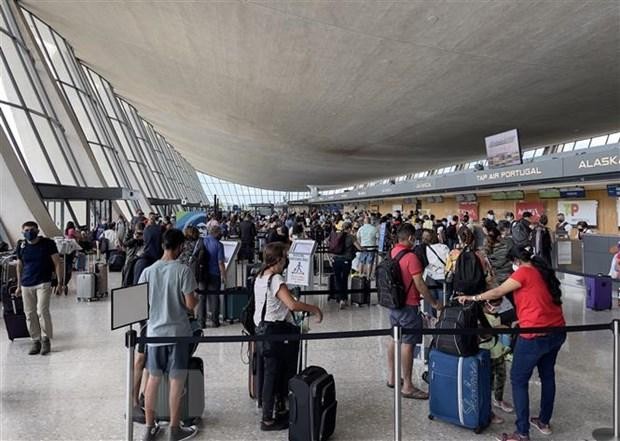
pixel 171 298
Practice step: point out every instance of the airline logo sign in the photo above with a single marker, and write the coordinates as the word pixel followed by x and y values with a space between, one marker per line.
pixel 576 211
pixel 605 161
pixel 510 174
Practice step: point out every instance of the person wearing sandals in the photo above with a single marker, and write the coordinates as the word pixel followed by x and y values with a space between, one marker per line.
pixel 408 316
pixel 273 315
pixel 538 302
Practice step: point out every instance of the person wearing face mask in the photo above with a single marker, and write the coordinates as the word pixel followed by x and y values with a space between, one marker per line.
pixel 538 301
pixel 213 277
pixel 171 299
pixel 582 229
pixel 273 315
pixel 562 226
pixel 37 259
pixel 491 218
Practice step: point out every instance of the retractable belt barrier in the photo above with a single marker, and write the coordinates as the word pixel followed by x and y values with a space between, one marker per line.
pixel 241 291
pixel 613 433
pixel 580 274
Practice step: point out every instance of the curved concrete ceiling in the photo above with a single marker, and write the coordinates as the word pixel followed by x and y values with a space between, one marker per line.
pixel 283 94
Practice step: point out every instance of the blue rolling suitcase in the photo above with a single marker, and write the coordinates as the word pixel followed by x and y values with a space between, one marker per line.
pixel 460 389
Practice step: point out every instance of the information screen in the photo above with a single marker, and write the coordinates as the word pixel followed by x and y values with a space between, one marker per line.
pixel 130 305
pixel 302 248
pixel 503 149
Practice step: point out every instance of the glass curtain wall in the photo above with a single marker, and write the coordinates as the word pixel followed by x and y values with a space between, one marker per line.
pixel 116 133
pixel 26 114
pixel 231 194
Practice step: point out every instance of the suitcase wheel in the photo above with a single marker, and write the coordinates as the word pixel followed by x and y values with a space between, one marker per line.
pixel 478 430
pixel 431 417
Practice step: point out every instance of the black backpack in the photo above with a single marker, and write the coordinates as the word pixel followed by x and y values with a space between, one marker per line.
pixel 469 276
pixel 420 251
pixel 336 242
pixel 459 316
pixel 390 287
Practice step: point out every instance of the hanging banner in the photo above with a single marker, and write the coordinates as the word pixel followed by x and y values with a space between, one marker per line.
pixel 536 208
pixel 470 209
pixel 577 211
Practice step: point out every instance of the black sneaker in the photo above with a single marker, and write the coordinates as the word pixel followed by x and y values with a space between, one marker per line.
pixel 46 346
pixel 274 425
pixel 35 348
pixel 151 432
pixel 182 433
pixel 138 415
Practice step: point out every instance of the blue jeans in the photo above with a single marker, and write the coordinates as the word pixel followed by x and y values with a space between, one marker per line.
pixel 540 352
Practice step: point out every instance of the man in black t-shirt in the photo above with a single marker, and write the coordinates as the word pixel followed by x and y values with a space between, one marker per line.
pixel 37 260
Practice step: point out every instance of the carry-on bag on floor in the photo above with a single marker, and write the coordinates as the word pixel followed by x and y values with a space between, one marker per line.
pixel 193 399
pixel 13 314
pixel 460 389
pixel 117 261
pixel 101 282
pixel 85 286
pixel 360 298
pixel 255 373
pixel 598 292
pixel 312 405
pixel 235 300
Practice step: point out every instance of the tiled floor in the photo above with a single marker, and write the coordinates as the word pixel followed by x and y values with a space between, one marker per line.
pixel 77 393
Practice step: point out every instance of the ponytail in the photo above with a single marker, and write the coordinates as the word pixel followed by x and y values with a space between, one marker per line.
pixel 526 254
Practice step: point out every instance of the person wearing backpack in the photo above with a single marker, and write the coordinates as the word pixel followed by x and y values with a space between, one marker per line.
pixel 538 300
pixel 343 245
pixel 410 288
pixel 434 272
pixel 468 270
pixel 522 230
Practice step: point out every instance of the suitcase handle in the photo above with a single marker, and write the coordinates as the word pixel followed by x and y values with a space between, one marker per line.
pixel 293 409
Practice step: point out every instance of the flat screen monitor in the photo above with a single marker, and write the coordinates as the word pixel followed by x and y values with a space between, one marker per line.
pixel 302 248
pixel 549 193
pixel 503 149
pixel 129 305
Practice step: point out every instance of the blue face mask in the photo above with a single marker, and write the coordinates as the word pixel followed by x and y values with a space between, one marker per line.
pixel 31 235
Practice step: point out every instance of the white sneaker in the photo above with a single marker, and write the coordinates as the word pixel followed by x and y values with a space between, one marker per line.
pixel 503 405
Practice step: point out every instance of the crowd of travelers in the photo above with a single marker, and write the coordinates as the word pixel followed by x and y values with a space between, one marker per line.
pixel 515 286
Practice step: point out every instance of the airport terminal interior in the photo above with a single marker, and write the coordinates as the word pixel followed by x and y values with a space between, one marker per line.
pixel 155 156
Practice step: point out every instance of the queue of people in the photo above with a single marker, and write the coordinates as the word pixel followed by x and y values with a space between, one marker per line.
pixel 517 286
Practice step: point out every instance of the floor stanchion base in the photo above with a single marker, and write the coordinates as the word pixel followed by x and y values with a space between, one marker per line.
pixel 604 434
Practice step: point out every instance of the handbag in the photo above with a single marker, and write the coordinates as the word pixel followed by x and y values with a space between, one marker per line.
pixel 428 280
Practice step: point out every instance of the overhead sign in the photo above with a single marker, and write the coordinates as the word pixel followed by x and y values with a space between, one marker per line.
pixel 503 149
pixel 613 190
pixel 577 211
pixel 300 256
pixel 576 192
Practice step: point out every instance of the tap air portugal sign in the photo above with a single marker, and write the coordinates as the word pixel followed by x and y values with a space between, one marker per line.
pixel 576 211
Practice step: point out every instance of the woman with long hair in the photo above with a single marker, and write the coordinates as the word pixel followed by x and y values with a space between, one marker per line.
pixel 273 315
pixel 538 300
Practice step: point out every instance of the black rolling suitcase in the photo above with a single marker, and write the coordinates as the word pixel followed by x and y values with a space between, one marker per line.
pixel 117 261
pixel 13 313
pixel 312 405
pixel 312 402
pixel 360 298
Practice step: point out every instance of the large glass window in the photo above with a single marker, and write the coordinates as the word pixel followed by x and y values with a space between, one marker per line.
pixel 231 194
pixel 26 115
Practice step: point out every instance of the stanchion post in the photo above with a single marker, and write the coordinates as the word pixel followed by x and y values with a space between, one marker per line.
pixel 397 334
pixel 613 433
pixel 130 344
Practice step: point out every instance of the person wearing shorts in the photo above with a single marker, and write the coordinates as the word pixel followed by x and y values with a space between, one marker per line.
pixel 408 316
pixel 172 297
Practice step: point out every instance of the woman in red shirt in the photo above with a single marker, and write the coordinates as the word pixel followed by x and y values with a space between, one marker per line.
pixel 537 296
